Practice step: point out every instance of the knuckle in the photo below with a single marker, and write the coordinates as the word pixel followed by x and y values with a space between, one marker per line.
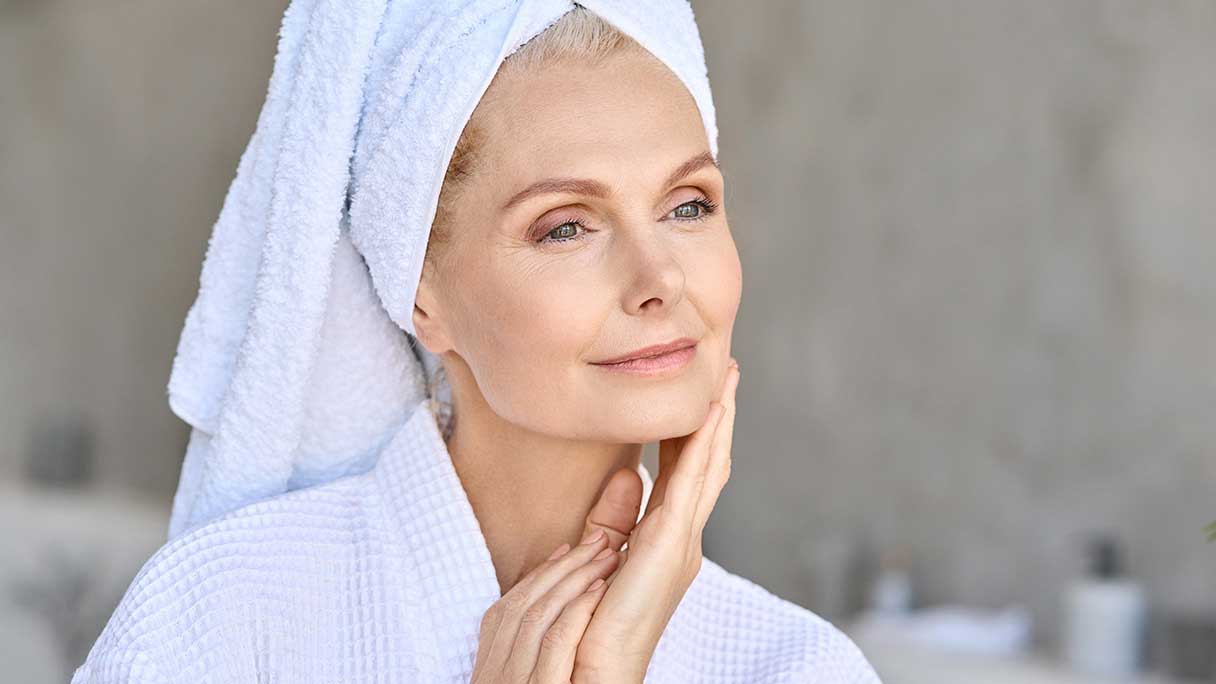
pixel 491 617
pixel 512 603
pixel 555 637
pixel 534 614
pixel 722 478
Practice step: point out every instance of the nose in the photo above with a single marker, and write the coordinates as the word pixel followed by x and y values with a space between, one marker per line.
pixel 657 279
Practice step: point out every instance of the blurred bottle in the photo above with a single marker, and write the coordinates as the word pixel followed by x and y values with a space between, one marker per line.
pixel 891 593
pixel 1104 616
pixel 829 563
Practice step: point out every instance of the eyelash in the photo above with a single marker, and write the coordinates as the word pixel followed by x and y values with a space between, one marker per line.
pixel 708 208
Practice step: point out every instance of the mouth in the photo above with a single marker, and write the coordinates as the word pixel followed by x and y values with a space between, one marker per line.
pixel 655 359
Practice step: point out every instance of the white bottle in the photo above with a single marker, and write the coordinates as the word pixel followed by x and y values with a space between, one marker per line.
pixel 891 593
pixel 1104 617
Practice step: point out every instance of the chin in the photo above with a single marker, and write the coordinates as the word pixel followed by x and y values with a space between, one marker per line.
pixel 626 409
pixel 655 420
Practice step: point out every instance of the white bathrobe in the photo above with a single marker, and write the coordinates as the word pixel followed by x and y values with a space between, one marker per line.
pixel 384 577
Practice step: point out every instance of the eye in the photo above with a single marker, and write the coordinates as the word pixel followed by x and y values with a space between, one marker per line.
pixel 569 231
pixel 564 232
pixel 695 210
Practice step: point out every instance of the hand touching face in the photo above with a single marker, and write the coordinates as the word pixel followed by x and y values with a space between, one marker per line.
pixel 664 553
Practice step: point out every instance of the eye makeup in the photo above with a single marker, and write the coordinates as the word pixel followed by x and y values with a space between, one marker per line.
pixel 543 235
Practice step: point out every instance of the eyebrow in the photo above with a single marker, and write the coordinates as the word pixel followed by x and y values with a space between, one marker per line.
pixel 594 188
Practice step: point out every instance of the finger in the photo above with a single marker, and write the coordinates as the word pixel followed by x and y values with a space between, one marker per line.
pixel 704 458
pixel 510 608
pixel 718 471
pixel 489 623
pixel 684 486
pixel 559 646
pixel 616 510
pixel 669 455
pixel 537 620
pixel 620 557
pixel 669 451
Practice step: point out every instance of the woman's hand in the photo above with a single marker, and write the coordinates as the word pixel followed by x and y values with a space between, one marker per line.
pixel 664 548
pixel 531 634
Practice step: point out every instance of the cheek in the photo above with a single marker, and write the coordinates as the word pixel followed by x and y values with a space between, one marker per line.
pixel 531 331
pixel 717 281
pixel 527 332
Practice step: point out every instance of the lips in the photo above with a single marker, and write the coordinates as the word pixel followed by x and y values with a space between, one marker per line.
pixel 651 351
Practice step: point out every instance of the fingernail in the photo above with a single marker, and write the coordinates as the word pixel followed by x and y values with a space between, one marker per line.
pixel 560 550
pixel 595 585
pixel 595 536
pixel 603 554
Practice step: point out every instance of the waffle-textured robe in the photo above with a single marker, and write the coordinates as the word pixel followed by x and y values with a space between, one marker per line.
pixel 384 577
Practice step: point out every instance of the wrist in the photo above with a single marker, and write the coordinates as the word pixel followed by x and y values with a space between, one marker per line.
pixel 587 675
pixel 607 673
pixel 612 658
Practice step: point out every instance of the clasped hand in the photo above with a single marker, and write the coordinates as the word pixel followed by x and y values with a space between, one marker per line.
pixel 595 613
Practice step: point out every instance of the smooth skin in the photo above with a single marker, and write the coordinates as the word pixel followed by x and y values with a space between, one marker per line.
pixel 521 305
pixel 582 617
pixel 664 548
pixel 532 633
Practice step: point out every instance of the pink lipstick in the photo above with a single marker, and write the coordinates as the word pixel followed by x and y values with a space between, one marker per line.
pixel 654 360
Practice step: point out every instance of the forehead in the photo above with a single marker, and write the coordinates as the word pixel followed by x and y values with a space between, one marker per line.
pixel 569 114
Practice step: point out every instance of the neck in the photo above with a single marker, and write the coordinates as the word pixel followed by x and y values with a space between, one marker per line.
pixel 530 491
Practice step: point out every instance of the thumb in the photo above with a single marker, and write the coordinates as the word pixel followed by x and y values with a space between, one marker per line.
pixel 616 511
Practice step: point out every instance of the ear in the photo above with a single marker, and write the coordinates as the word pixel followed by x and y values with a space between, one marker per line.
pixel 428 323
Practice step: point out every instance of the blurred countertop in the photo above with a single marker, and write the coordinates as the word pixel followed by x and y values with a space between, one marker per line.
pixel 903 663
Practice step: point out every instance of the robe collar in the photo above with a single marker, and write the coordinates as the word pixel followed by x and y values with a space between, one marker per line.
pixel 444 541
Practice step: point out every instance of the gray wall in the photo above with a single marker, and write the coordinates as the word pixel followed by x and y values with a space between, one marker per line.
pixel 979 311
pixel 979 250
pixel 121 124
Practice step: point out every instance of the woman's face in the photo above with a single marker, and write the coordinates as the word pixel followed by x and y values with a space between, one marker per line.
pixel 616 252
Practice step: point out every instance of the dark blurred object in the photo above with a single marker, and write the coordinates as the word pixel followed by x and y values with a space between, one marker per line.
pixel 60 451
pixel 1191 648
pixel 1104 558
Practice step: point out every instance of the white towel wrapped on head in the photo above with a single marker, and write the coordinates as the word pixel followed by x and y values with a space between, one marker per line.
pixel 296 367
pixel 296 361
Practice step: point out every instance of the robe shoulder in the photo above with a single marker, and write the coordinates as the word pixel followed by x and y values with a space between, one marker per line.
pixel 202 598
pixel 729 628
pixel 298 584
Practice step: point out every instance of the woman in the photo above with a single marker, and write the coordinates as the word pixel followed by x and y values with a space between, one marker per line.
pixel 492 523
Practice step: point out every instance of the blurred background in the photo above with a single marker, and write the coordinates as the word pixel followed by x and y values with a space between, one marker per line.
pixel 979 316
